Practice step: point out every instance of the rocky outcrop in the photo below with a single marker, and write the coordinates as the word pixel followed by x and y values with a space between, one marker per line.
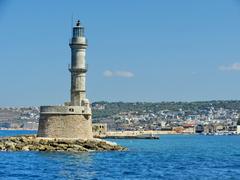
pixel 33 143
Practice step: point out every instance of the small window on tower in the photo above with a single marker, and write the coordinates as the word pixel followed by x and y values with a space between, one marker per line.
pixel 71 110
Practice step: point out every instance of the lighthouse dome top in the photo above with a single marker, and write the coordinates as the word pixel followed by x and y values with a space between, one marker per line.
pixel 78 30
pixel 78 23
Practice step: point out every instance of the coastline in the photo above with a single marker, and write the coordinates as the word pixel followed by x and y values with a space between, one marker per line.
pixel 109 133
pixel 17 129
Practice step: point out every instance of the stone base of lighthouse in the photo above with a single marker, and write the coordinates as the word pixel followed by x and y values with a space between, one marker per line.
pixel 65 122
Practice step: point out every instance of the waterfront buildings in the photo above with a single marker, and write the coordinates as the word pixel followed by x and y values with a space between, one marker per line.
pixel 142 117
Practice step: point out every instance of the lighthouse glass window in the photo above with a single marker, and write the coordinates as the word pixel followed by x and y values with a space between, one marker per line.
pixel 78 32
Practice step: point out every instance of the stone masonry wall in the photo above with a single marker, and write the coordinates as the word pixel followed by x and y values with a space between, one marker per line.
pixel 65 126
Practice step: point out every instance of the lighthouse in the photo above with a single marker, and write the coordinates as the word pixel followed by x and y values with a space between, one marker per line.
pixel 78 67
pixel 73 119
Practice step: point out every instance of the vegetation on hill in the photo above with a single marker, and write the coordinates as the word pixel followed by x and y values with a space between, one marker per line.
pixel 112 108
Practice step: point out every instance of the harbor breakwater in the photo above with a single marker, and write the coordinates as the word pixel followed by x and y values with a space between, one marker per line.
pixel 34 143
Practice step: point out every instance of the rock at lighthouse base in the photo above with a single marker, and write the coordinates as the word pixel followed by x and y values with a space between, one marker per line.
pixel 33 143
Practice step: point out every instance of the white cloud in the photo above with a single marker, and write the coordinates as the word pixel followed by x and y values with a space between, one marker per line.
pixel 123 74
pixel 108 73
pixel 230 67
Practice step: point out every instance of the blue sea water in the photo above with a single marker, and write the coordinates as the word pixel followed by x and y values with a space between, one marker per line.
pixel 170 157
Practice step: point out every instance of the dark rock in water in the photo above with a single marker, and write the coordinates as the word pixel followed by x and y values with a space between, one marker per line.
pixel 33 143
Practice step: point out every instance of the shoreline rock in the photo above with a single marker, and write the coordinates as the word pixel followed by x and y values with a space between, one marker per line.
pixel 34 143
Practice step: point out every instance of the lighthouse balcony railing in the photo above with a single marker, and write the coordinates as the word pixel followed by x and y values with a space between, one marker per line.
pixel 83 69
pixel 81 40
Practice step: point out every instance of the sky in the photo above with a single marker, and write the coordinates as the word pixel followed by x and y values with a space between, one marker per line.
pixel 139 50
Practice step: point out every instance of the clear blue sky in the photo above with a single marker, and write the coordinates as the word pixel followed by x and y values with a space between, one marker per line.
pixel 138 50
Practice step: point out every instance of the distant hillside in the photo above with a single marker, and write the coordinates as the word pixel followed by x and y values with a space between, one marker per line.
pixel 106 109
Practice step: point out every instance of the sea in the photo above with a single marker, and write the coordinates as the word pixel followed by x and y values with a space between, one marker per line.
pixel 170 157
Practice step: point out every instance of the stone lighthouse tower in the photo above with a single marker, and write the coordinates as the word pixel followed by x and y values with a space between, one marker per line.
pixel 78 68
pixel 74 119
